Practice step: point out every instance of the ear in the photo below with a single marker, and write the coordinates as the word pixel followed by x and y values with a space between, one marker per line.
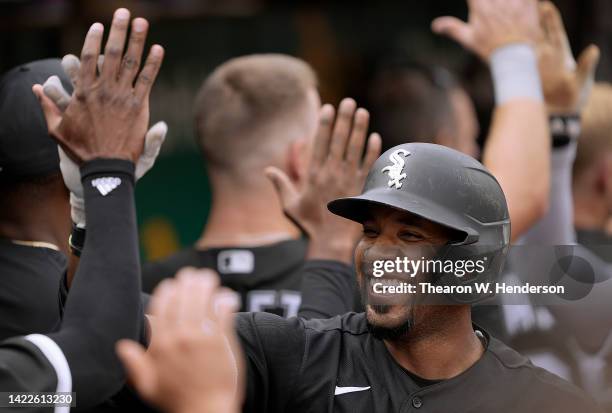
pixel 297 160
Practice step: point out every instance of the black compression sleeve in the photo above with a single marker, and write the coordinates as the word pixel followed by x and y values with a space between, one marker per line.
pixel 104 303
pixel 327 289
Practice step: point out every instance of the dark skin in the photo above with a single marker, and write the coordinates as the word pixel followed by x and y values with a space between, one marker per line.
pixel 109 114
pixel 36 212
pixel 441 342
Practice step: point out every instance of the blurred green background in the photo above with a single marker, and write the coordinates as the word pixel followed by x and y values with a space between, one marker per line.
pixel 342 40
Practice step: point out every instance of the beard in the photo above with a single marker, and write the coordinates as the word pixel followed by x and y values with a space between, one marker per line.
pixel 388 333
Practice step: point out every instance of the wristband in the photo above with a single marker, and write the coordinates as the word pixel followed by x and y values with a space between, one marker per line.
pixel 514 69
pixel 564 129
pixel 76 241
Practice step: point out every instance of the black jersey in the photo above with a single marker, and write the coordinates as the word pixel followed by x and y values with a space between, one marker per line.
pixel 30 279
pixel 336 365
pixel 267 277
pixel 34 363
pixel 597 241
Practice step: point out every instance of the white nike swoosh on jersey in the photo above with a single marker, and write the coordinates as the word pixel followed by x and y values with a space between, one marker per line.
pixel 344 390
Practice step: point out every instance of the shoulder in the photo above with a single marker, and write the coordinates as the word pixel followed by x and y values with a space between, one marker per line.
pixel 349 323
pixel 27 364
pixel 262 323
pixel 536 387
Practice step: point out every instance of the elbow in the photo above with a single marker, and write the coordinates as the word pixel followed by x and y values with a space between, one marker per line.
pixel 527 211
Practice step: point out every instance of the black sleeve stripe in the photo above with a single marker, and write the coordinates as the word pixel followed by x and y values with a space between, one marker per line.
pixel 56 358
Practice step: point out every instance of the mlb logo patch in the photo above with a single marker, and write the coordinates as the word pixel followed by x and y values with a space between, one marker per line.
pixel 236 262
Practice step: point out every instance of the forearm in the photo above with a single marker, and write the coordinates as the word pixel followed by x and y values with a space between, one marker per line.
pixel 557 225
pixel 327 289
pixel 518 154
pixel 331 246
pixel 517 151
pixel 104 301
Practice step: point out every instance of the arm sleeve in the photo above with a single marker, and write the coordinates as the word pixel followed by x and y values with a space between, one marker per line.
pixel 104 302
pixel 327 289
pixel 557 226
pixel 274 351
pixel 545 251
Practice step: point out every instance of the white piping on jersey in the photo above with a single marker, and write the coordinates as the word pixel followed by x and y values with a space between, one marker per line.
pixel 36 244
pixel 56 358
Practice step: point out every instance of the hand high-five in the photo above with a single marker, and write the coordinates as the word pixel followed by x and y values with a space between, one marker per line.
pixel 566 85
pixel 336 170
pixel 194 362
pixel 492 24
pixel 154 139
pixel 109 115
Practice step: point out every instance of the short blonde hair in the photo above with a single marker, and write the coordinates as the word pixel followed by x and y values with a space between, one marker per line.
pixel 596 134
pixel 240 101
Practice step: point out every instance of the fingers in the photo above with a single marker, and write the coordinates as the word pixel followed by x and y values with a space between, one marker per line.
pixel 160 303
pixel 113 52
pixel 54 89
pixel 196 289
pixel 149 72
pixel 226 304
pixel 53 115
pixel 100 63
pixel 551 22
pixel 154 139
pixel 372 152
pixel 133 56
pixel 139 369
pixel 89 55
pixel 342 128
pixel 357 140
pixel 587 63
pixel 72 65
pixel 321 142
pixel 454 28
pixel 285 189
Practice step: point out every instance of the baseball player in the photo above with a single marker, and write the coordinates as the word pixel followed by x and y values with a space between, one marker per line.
pixel 572 338
pixel 262 110
pixel 34 213
pixel 397 357
pixel 80 356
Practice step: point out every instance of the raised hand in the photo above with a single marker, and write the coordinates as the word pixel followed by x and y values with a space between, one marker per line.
pixel 492 24
pixel 336 170
pixel 566 85
pixel 193 362
pixel 109 115
pixel 154 139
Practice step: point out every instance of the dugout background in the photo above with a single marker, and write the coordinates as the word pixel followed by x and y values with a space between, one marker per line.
pixel 342 40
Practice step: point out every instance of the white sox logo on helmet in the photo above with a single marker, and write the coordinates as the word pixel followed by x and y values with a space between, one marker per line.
pixel 395 170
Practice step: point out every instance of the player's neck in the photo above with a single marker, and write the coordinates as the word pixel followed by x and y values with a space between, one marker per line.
pixel 47 222
pixel 439 352
pixel 246 219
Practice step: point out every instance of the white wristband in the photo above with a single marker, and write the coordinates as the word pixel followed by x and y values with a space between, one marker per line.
pixel 514 69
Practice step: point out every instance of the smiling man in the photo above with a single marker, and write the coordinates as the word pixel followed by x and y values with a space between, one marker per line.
pixel 407 351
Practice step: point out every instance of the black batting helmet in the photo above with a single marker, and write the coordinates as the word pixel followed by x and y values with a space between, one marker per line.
pixel 449 188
